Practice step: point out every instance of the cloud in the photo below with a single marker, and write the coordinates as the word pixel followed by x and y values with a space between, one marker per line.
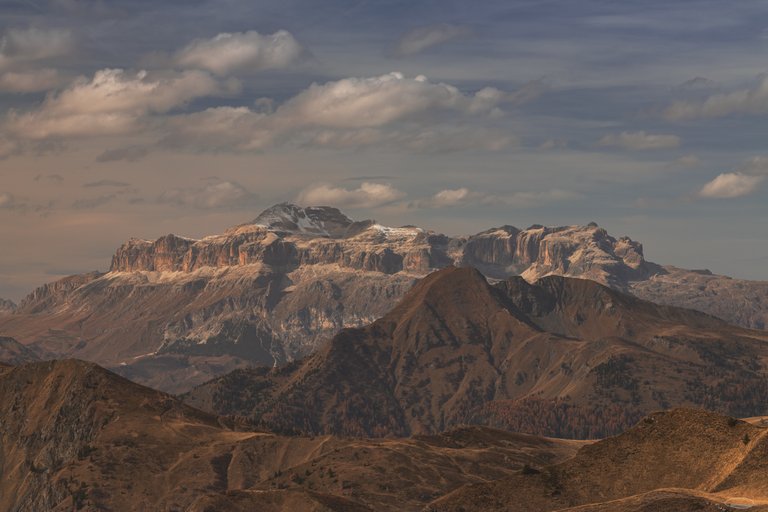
pixel 112 102
pixel 367 195
pixel 730 185
pixel 463 196
pixel 33 44
pixel 386 110
pixel 128 154
pixel 421 38
pixel 639 141
pixel 380 100
pixel 9 201
pixel 687 161
pixel 29 81
pixel 8 147
pixel 226 52
pixel 739 183
pixel 94 202
pixel 746 101
pixel 106 183
pixel 55 178
pixel 219 195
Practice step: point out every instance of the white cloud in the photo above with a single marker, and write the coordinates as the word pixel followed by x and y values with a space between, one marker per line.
pixel 389 110
pixel 731 184
pixel 221 194
pixel 463 196
pixel 739 183
pixel 367 195
pixel 29 81
pixel 745 101
pixel 24 45
pixel 421 38
pixel 226 52
pixel 380 100
pixel 640 141
pixel 112 102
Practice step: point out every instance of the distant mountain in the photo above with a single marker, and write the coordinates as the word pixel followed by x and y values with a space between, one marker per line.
pixel 7 306
pixel 76 437
pixel 563 357
pixel 12 352
pixel 175 312
pixel 681 461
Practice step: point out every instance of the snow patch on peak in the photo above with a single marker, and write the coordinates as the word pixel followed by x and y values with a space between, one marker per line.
pixel 323 221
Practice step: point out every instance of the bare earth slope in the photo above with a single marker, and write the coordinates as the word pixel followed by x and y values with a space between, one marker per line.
pixel 562 357
pixel 681 460
pixel 174 312
pixel 76 437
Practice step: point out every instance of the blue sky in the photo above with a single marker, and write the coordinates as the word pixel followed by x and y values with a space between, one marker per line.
pixel 138 118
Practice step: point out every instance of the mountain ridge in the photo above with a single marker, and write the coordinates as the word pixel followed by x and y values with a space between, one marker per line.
pixel 567 358
pixel 174 312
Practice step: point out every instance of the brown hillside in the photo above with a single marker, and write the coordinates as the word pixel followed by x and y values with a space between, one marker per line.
pixel 682 459
pixel 563 357
pixel 76 437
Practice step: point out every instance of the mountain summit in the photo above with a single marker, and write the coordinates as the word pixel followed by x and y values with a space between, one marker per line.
pixel 313 220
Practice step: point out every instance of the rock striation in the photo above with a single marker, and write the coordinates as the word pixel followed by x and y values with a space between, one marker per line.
pixel 175 311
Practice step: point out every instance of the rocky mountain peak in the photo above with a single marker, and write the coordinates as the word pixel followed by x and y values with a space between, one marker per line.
pixel 312 220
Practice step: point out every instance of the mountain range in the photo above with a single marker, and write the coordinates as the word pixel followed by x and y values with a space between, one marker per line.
pixel 174 312
pixel 562 357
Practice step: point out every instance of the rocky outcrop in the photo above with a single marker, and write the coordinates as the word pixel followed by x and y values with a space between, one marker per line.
pixel 175 311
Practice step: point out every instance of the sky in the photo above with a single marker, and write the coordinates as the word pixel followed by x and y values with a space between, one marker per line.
pixel 136 118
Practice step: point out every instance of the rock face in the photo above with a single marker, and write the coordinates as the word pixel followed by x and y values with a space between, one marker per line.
pixel 175 312
pixel 562 357
pixel 76 437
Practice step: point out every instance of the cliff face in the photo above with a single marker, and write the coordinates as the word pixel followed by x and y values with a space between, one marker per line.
pixel 176 311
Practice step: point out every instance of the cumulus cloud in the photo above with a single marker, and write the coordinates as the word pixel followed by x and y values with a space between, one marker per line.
pixel 639 141
pixel 367 195
pixel 380 100
pixel 218 195
pixel 226 52
pixel 742 182
pixel 745 101
pixel 421 38
pixel 731 184
pixel 112 102
pixel 387 110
